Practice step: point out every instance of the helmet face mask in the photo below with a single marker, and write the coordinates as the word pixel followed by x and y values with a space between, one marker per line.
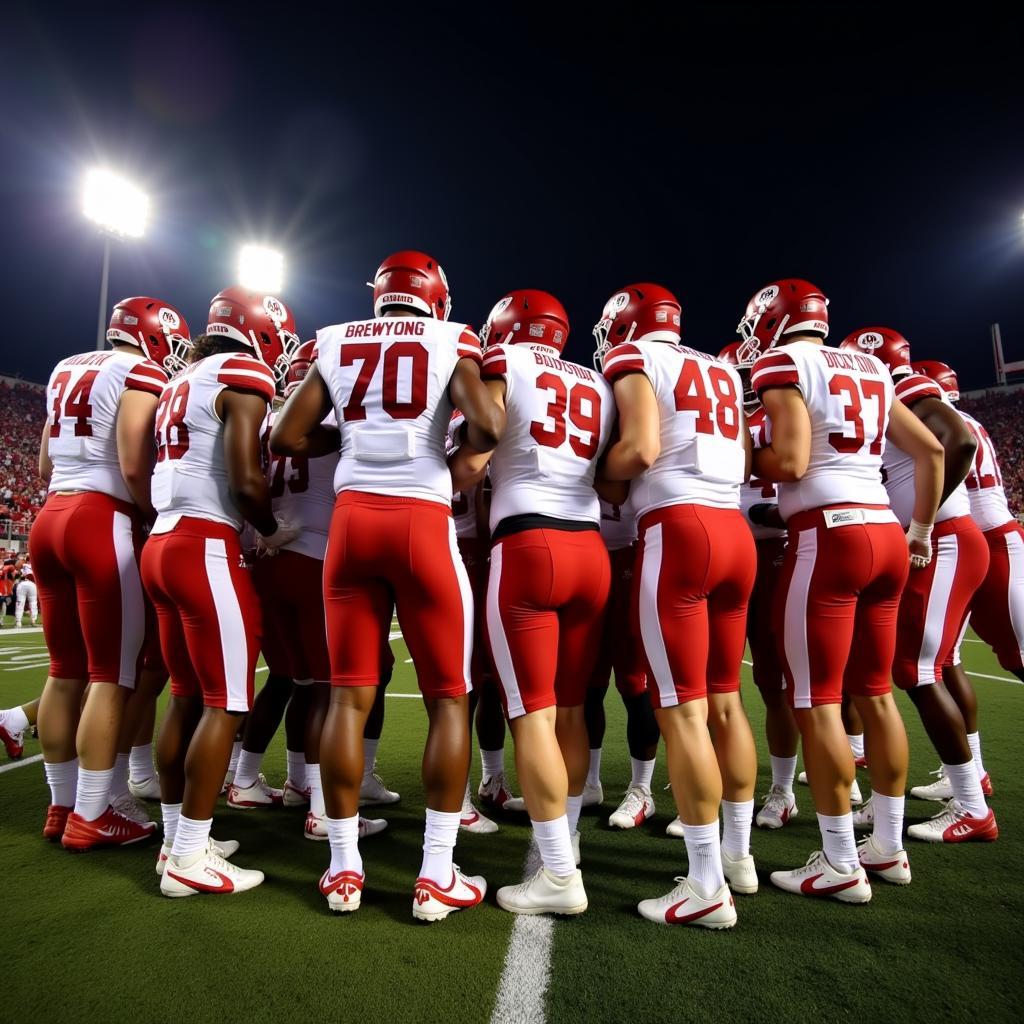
pixel 638 312
pixel 787 306
pixel 154 327
pixel 731 354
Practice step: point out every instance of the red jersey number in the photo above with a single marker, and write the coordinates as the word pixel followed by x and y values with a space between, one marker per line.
pixel 578 406
pixel 171 433
pixel 718 411
pixel 409 356
pixel 75 406
pixel 291 472
pixel 853 394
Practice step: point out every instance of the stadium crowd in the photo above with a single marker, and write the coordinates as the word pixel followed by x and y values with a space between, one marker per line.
pixel 1002 412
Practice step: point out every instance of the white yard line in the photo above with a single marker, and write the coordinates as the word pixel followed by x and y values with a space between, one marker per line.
pixel 998 679
pixel 20 764
pixel 527 970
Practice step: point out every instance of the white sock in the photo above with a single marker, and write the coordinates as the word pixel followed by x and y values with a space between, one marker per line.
pixel 93 793
pixel 248 768
pixel 492 762
pixel 467 799
pixel 369 755
pixel 316 790
pixel 736 821
pixel 704 850
pixel 190 836
pixel 236 752
pixel 296 768
pixel 119 780
pixel 140 763
pixel 967 787
pixel 888 830
pixel 62 777
pixel 439 835
pixel 838 841
pixel 973 739
pixel 170 813
pixel 554 842
pixel 594 772
pixel 783 772
pixel 15 720
pixel 643 773
pixel 573 807
pixel 856 744
pixel 343 834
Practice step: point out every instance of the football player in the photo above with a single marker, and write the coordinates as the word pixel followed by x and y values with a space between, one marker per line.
pixel 549 577
pixel 209 482
pixel 847 558
pixel 97 458
pixel 935 602
pixel 393 382
pixel 27 592
pixel 685 445
pixel 13 724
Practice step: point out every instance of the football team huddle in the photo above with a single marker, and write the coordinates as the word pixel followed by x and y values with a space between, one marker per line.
pixel 537 526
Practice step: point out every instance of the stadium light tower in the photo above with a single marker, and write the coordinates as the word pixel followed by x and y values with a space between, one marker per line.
pixel 120 210
pixel 260 269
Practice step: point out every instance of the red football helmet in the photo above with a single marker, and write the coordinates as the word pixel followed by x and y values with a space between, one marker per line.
pixel 943 375
pixel 638 312
pixel 731 355
pixel 529 316
pixel 262 322
pixel 155 327
pixel 411 278
pixel 781 308
pixel 305 356
pixel 890 346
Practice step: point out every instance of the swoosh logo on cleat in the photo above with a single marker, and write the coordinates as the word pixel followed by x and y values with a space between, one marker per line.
pixel 808 888
pixel 673 917
pixel 226 885
pixel 880 867
pixel 425 889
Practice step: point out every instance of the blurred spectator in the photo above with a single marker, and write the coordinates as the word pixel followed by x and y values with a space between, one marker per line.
pixel 22 412
pixel 1002 415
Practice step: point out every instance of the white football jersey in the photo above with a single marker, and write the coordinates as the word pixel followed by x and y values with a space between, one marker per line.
pixel 848 397
pixel 618 525
pixel 83 396
pixel 388 379
pixel 899 467
pixel 191 476
pixel 559 417
pixel 759 492
pixel 703 453
pixel 302 492
pixel 989 507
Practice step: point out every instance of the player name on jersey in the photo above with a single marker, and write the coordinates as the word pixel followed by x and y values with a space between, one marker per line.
pixel 984 483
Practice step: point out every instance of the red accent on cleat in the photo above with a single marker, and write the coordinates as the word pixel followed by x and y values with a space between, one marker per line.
pixel 808 888
pixel 15 748
pixel 56 821
pixel 969 829
pixel 346 884
pixel 986 784
pixel 427 888
pixel 672 917
pixel 109 829
pixel 860 762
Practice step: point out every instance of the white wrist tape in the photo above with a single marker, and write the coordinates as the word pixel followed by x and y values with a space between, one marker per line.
pixel 920 531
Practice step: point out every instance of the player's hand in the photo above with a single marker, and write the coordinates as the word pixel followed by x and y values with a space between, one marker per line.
pixel 268 546
pixel 920 553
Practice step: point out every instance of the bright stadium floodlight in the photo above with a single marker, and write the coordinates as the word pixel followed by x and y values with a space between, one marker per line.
pixel 120 210
pixel 260 269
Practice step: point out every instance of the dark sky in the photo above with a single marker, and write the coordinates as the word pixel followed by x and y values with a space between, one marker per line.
pixel 880 155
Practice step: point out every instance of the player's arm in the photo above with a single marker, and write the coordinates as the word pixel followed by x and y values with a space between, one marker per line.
pixel 299 428
pixel 748 446
pixel 639 442
pixel 959 445
pixel 45 463
pixel 136 450
pixel 907 432
pixel 467 463
pixel 243 413
pixel 485 418
pixel 788 455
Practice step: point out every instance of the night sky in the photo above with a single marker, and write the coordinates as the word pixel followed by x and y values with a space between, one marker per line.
pixel 880 156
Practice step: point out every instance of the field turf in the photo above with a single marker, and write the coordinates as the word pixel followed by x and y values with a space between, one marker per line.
pixel 89 938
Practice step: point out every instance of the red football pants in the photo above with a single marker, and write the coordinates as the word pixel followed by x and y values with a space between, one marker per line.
pixel 620 648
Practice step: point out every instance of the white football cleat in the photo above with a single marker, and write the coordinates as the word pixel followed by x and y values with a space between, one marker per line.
pixel 229 777
pixel 431 902
pixel 636 807
pixel 225 848
pixel 344 891
pixel 575 840
pixel 315 827
pixel 941 789
pixel 802 778
pixel 864 816
pixel 855 794
pixel 259 794
pixel 740 873
pixel 893 867
pixel 293 795
pixel 205 872
pixel 779 807
pixel 684 906
pixel 373 791
pixel 675 828
pixel 371 826
pixel 472 820
pixel 495 795
pixel 954 825
pixel 145 789
pixel 593 794
pixel 130 808
pixel 545 893
pixel 818 878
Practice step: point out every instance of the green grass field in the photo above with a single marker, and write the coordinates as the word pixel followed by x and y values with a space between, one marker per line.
pixel 89 938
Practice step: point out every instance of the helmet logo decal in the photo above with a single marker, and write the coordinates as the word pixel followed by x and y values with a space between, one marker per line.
pixel 499 307
pixel 536 330
pixel 768 295
pixel 616 304
pixel 870 341
pixel 274 308
pixel 169 319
